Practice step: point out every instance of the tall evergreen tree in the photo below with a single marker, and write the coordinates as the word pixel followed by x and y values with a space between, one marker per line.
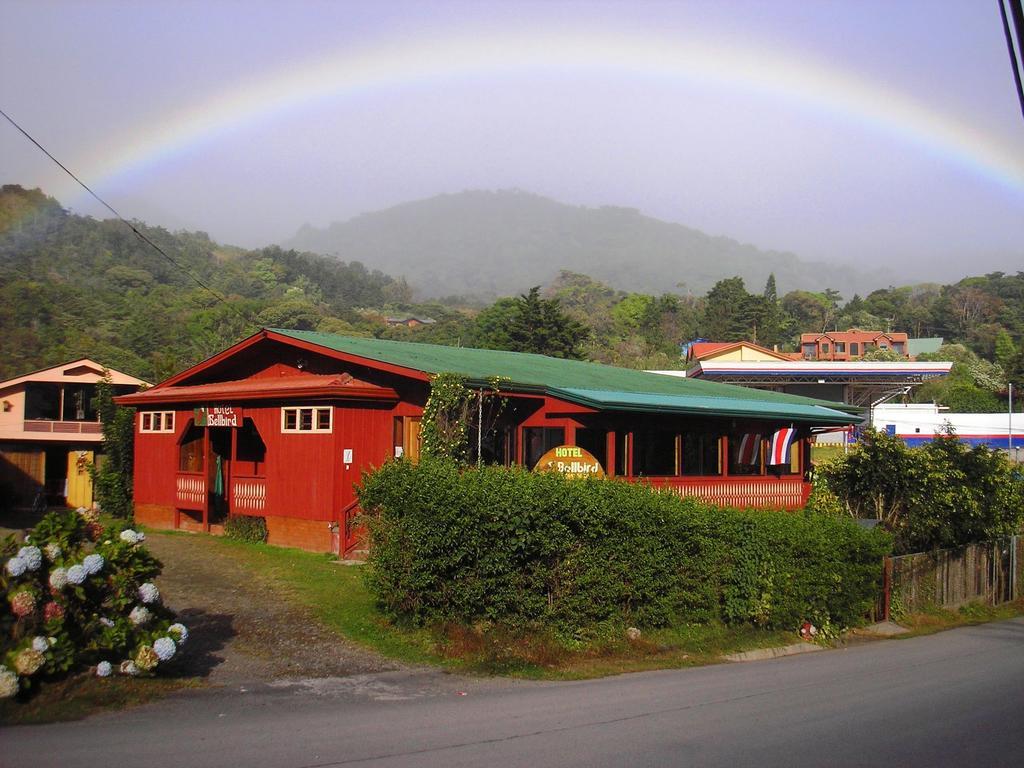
pixel 530 323
pixel 771 320
pixel 728 311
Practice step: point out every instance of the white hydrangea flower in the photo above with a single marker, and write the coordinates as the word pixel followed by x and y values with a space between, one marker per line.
pixel 106 622
pixel 16 566
pixel 93 563
pixel 129 536
pixel 128 668
pixel 139 615
pixel 53 551
pixel 77 574
pixel 180 631
pixel 59 578
pixel 164 648
pixel 33 557
pixel 8 683
pixel 140 536
pixel 40 643
pixel 148 593
pixel 103 669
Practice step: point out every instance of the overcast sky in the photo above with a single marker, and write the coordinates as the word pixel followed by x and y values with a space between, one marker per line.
pixel 882 132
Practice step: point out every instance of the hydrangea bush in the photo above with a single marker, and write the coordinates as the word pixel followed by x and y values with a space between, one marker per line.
pixel 74 596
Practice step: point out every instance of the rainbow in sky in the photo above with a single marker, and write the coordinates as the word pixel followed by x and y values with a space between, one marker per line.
pixel 811 84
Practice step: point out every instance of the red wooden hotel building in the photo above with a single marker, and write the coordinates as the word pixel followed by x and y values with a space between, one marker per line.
pixel 282 424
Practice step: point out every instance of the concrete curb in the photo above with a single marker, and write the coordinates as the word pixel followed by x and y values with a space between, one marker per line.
pixel 761 654
pixel 883 629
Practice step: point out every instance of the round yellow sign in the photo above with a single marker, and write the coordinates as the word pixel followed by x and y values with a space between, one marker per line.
pixel 571 460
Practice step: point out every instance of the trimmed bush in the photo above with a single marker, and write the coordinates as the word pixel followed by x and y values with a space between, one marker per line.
pixel 74 595
pixel 246 528
pixel 522 548
pixel 941 495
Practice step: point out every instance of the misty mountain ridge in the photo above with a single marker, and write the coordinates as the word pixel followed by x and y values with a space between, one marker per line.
pixel 487 244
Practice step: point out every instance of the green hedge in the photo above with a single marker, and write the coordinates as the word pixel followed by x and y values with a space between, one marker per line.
pixel 516 547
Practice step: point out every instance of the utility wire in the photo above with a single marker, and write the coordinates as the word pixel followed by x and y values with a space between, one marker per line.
pixel 1016 57
pixel 212 291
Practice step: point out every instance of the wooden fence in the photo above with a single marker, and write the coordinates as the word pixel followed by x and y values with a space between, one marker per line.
pixel 991 572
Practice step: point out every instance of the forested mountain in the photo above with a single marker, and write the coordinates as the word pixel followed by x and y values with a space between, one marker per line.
pixel 491 244
pixel 72 286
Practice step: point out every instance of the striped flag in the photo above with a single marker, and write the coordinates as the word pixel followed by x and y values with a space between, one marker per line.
pixel 782 441
pixel 750 446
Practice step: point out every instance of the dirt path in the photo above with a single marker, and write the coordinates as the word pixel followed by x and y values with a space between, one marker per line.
pixel 242 630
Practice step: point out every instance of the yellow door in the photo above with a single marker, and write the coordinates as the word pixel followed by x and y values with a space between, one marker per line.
pixel 79 480
pixel 411 448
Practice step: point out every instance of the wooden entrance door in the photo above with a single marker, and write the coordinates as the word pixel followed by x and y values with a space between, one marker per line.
pixel 79 479
pixel 411 439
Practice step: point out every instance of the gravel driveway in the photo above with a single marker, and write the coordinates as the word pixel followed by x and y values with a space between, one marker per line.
pixel 242 630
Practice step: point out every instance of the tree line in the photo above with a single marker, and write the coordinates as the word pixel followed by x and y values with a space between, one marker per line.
pixel 73 286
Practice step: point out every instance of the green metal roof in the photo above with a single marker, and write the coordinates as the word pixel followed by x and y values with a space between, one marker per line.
pixel 928 344
pixel 599 386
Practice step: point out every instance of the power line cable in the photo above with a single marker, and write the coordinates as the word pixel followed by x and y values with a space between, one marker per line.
pixel 1016 56
pixel 212 291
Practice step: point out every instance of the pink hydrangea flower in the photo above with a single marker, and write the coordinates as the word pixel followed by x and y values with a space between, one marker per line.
pixel 23 603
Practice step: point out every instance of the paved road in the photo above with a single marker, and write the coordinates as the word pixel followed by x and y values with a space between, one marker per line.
pixel 954 699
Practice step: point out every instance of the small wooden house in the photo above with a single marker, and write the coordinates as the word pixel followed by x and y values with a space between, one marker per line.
pixel 283 424
pixel 50 432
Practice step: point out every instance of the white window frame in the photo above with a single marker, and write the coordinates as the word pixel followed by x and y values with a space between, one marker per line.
pixel 160 422
pixel 315 411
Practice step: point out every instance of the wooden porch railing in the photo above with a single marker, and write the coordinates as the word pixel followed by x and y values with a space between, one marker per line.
pixel 191 490
pixel 788 492
pixel 63 427
pixel 248 494
pixel 353 535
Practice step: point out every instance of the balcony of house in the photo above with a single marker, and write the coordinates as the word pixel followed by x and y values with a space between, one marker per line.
pixel 43 426
pixel 45 411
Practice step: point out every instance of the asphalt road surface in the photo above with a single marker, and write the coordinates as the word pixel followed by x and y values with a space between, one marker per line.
pixel 955 698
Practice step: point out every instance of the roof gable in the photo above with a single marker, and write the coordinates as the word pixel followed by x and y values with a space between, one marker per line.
pixel 83 370
pixel 747 350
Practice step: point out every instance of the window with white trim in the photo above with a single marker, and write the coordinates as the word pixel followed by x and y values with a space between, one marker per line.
pixel 307 419
pixel 156 421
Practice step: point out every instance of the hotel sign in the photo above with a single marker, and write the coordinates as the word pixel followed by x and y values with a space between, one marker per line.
pixel 217 416
pixel 572 461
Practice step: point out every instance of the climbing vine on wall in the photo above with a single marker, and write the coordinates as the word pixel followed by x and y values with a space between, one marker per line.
pixel 454 413
pixel 445 426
